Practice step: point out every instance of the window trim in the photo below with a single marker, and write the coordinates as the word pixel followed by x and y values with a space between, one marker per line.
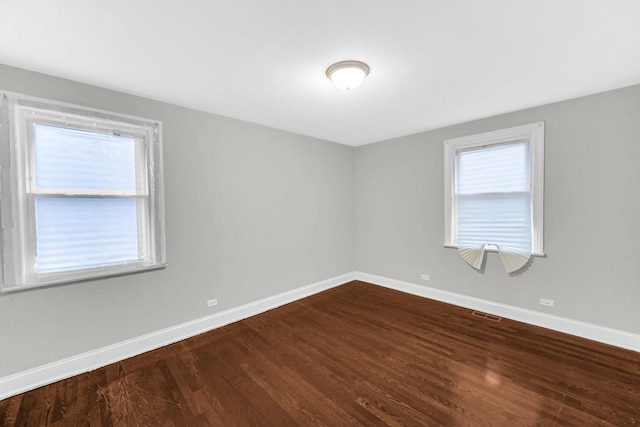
pixel 18 190
pixel 533 134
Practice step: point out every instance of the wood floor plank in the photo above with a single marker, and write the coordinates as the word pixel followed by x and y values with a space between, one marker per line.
pixel 354 355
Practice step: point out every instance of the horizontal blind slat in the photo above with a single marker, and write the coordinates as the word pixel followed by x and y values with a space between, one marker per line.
pixel 493 197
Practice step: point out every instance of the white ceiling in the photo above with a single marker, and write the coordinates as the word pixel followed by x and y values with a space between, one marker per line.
pixel 433 62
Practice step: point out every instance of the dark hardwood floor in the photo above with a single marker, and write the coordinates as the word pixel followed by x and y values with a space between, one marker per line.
pixel 358 354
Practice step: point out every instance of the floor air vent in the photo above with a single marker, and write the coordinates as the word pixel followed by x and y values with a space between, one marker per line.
pixel 486 316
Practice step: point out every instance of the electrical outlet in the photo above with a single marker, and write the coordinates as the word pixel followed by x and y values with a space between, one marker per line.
pixel 212 302
pixel 547 302
pixel 424 277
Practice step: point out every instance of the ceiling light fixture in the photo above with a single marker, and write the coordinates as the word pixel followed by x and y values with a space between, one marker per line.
pixel 348 75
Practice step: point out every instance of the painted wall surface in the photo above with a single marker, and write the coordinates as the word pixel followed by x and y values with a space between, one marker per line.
pixel 253 211
pixel 592 212
pixel 250 212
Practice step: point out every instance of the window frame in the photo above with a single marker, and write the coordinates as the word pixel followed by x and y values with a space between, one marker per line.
pixel 533 134
pixel 18 190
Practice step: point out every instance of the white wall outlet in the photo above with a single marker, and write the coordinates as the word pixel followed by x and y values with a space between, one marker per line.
pixel 212 302
pixel 424 277
pixel 547 302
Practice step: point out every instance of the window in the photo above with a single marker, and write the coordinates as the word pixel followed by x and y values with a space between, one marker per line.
pixel 81 193
pixel 494 194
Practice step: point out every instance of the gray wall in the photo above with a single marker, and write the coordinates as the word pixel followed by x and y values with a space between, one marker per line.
pixel 592 212
pixel 250 212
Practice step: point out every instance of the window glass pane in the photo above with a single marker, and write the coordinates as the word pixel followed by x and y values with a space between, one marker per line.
pixel 77 159
pixel 75 233
pixel 498 218
pixel 494 169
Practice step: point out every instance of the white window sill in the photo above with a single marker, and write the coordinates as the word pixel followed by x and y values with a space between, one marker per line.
pixel 91 274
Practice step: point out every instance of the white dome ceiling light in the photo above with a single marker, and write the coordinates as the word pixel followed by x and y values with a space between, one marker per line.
pixel 348 75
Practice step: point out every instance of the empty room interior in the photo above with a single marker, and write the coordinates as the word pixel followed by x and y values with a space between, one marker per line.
pixel 205 221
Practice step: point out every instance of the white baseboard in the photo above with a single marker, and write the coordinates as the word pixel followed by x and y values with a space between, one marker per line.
pixel 46 374
pixel 590 331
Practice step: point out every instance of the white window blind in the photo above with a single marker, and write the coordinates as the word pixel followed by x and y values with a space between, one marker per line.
pixel 101 227
pixel 493 194
pixel 75 233
pixel 77 159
